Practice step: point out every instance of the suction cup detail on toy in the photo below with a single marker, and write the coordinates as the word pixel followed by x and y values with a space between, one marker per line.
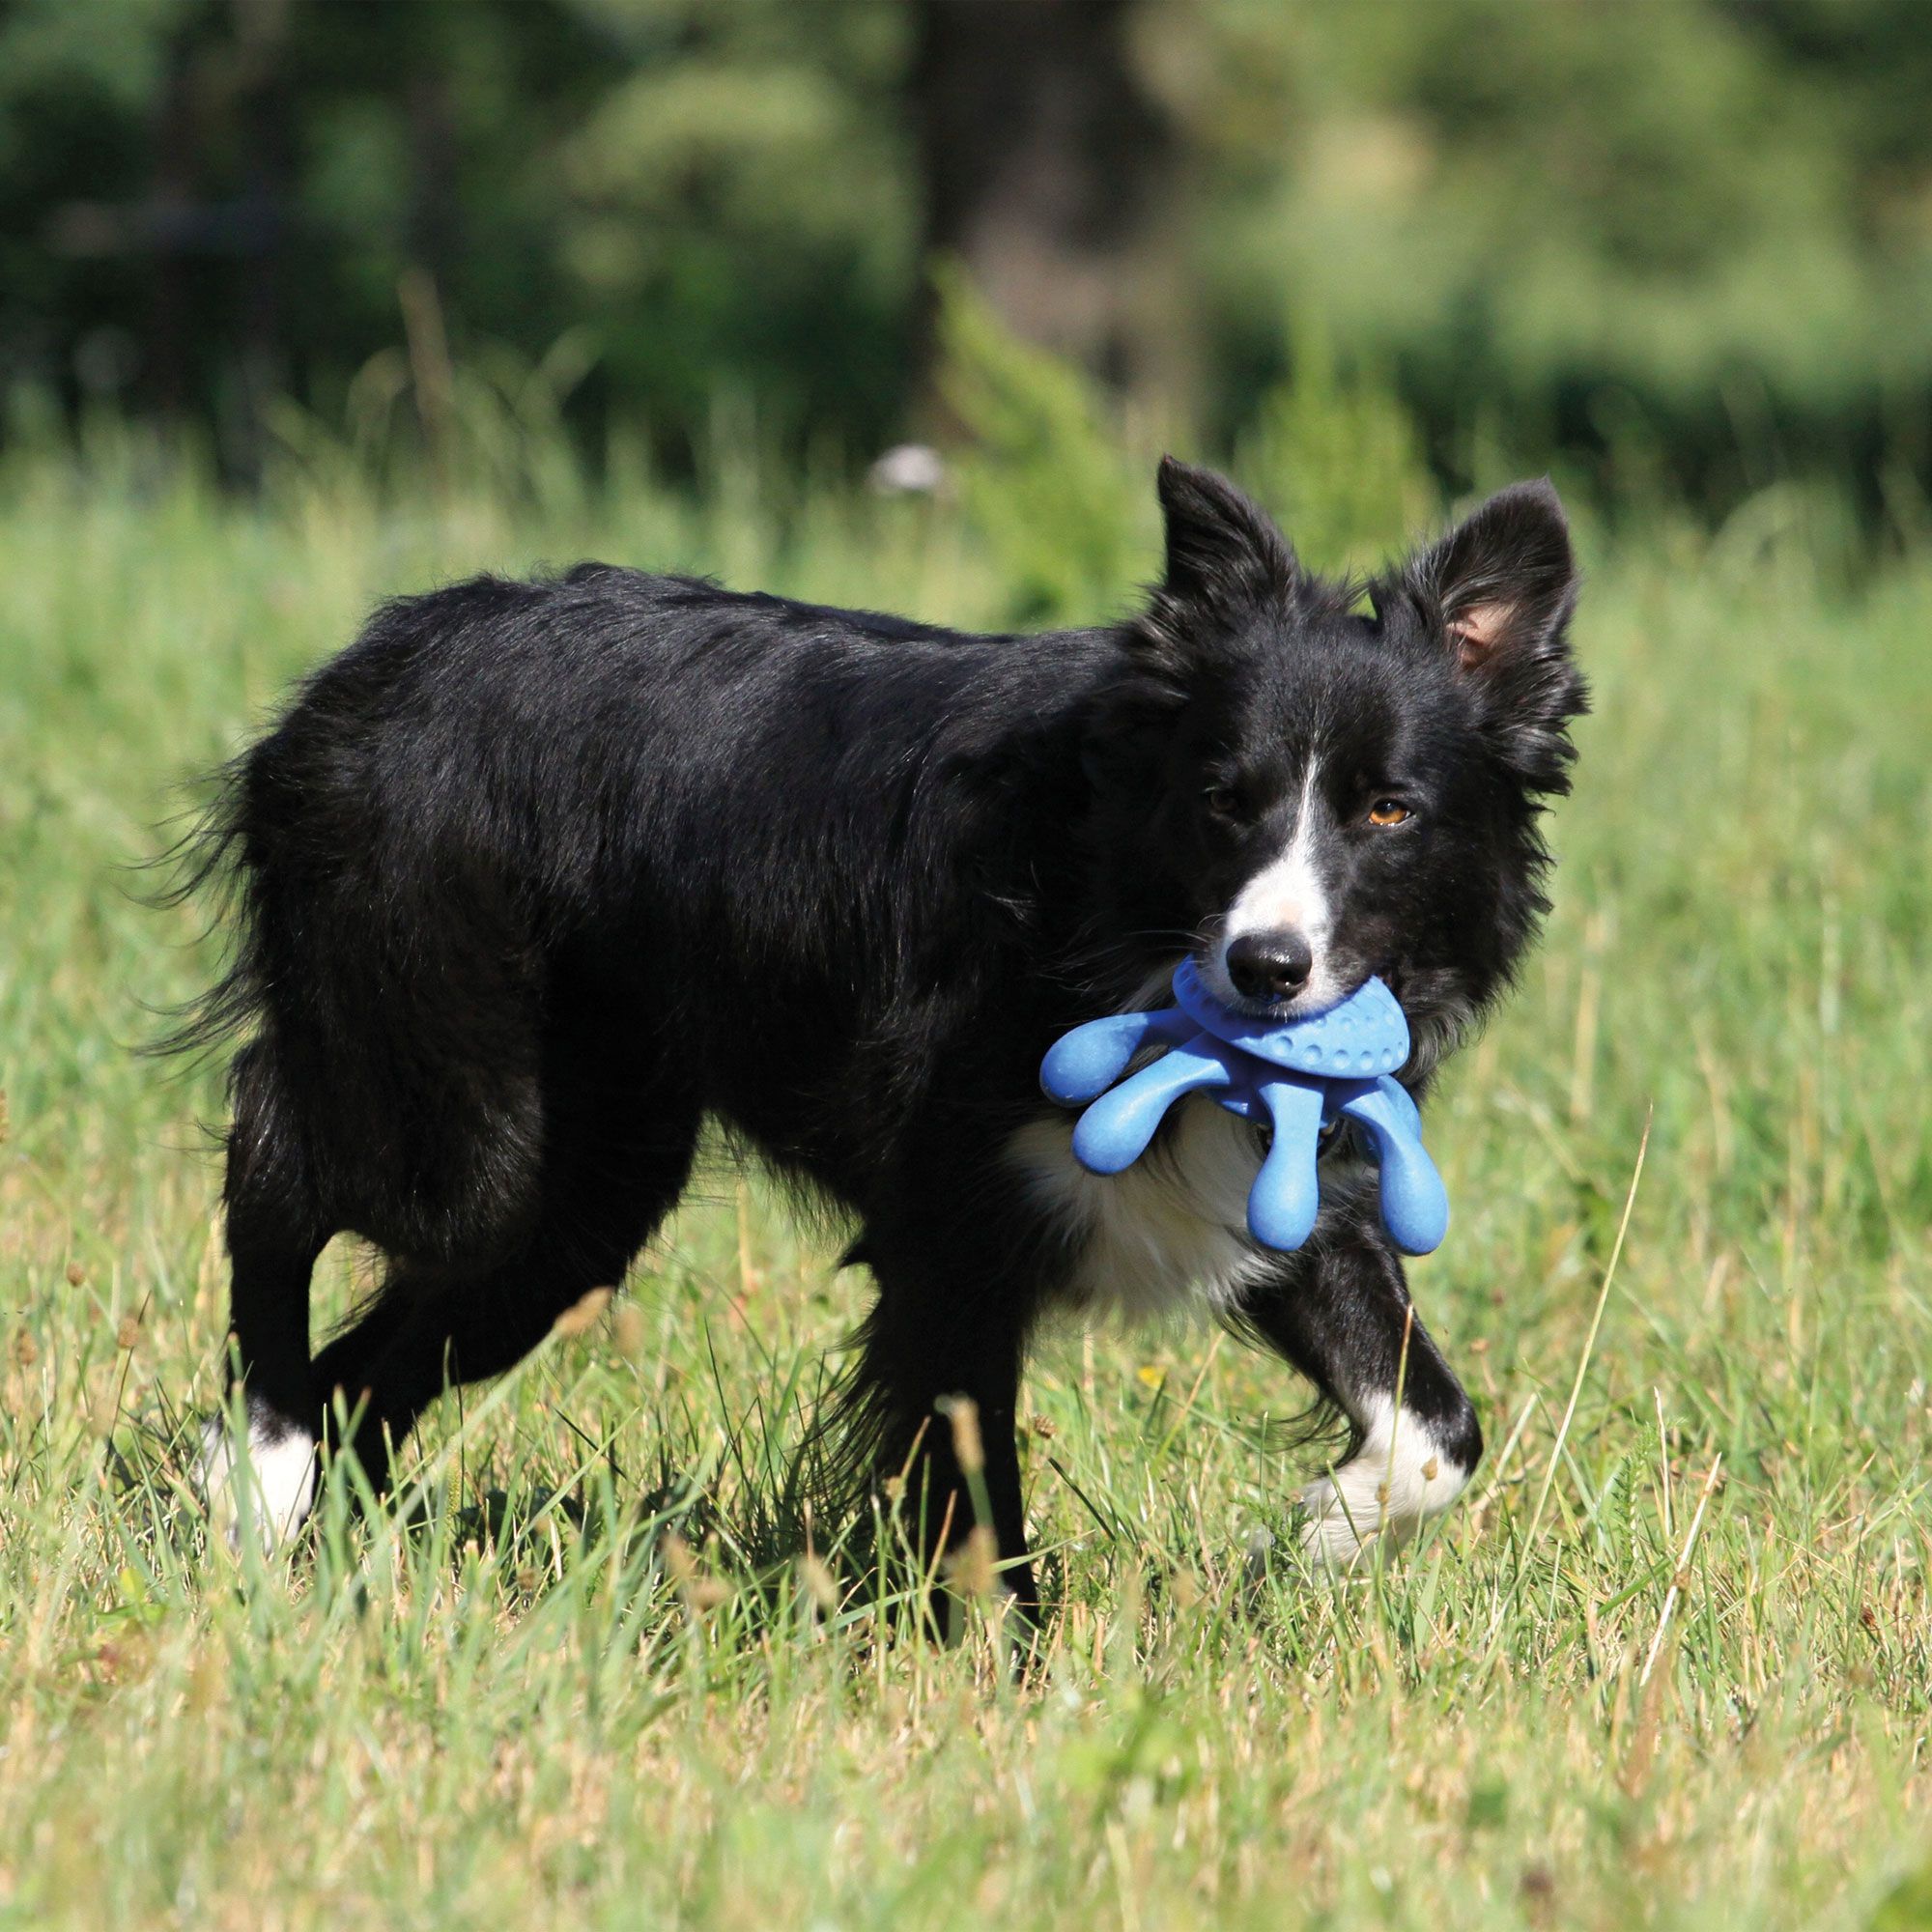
pixel 1300 1076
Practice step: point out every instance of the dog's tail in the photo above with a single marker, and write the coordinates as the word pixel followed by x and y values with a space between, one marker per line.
pixel 208 863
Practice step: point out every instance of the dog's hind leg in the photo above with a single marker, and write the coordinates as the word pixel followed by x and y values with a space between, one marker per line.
pixel 1342 1315
pixel 274 1230
pixel 608 1181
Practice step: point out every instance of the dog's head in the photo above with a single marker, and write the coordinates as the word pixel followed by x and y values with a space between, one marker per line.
pixel 1317 792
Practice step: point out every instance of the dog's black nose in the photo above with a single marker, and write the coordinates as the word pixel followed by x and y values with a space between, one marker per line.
pixel 1269 965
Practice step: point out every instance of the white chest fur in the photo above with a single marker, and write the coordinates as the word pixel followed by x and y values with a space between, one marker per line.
pixel 1168 1234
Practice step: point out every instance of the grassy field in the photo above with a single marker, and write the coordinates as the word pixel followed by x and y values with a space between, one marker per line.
pixel 1671 1665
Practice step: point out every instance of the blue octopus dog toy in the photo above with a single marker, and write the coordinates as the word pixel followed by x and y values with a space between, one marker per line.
pixel 1300 1076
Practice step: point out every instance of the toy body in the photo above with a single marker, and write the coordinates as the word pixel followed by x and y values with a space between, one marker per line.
pixel 1301 1077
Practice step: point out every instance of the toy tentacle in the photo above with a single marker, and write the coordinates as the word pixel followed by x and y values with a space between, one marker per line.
pixel 1081 1064
pixel 1114 1132
pixel 1402 1101
pixel 1286 1197
pixel 1414 1203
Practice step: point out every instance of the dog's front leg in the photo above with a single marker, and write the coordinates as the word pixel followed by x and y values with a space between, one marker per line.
pixel 952 1320
pixel 1342 1315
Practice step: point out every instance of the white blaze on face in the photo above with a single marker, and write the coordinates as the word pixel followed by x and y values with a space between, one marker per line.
pixel 1287 895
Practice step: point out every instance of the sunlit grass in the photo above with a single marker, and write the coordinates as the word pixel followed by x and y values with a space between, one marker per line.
pixel 519 1702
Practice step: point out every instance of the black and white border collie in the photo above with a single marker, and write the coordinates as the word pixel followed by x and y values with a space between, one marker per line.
pixel 534 878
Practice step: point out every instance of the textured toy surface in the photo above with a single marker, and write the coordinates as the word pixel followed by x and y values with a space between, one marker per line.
pixel 1300 1076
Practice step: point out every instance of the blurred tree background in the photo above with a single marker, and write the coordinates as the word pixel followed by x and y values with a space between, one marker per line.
pixel 1670 244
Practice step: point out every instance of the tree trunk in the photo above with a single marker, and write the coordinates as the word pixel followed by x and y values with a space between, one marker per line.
pixel 1050 172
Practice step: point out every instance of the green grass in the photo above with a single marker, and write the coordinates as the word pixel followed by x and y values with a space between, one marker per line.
pixel 519 1711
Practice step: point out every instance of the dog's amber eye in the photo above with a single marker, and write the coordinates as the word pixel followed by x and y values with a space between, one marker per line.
pixel 1224 801
pixel 1387 811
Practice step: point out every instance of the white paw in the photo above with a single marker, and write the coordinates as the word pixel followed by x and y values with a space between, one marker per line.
pixel 279 1462
pixel 1385 1493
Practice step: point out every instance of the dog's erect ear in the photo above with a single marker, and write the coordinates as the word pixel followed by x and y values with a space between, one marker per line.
pixel 1502 581
pixel 1226 563
pixel 1501 587
pixel 1224 553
